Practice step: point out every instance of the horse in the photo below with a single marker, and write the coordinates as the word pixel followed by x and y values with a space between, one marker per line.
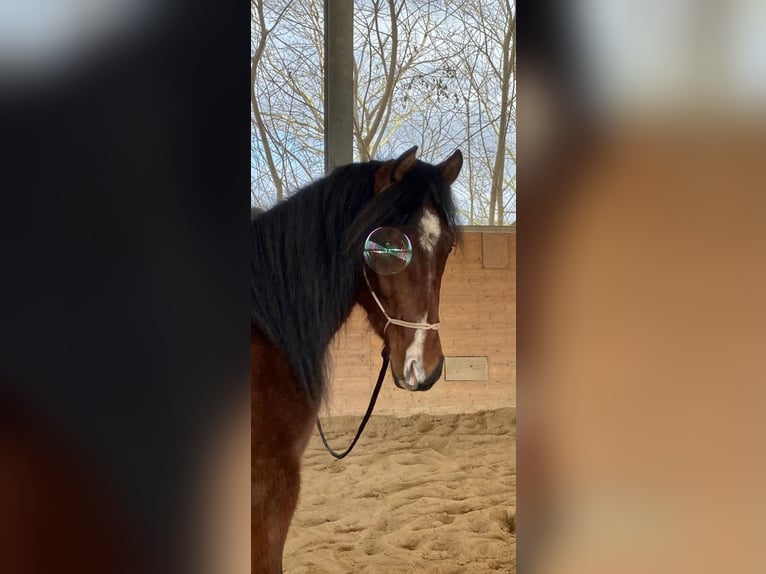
pixel 307 274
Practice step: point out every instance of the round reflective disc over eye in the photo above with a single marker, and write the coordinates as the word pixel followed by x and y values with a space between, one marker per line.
pixel 387 251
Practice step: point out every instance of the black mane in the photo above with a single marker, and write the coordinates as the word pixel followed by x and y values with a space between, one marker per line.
pixel 306 257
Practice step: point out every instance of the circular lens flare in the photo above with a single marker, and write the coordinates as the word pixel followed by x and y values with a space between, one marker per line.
pixel 387 250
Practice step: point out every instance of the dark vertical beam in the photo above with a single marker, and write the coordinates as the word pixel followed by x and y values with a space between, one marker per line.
pixel 339 83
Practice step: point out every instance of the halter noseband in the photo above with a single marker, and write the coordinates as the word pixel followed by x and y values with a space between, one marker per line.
pixel 390 320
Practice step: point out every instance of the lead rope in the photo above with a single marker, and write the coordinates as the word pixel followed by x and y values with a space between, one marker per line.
pixel 367 415
pixel 381 375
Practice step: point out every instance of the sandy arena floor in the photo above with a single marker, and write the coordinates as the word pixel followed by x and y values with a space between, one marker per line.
pixel 430 494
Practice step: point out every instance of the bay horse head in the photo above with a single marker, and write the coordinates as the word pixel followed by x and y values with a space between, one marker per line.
pixel 402 303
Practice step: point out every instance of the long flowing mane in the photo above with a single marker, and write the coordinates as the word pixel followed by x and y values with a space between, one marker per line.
pixel 306 258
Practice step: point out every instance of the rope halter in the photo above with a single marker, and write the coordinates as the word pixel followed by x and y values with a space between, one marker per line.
pixel 392 321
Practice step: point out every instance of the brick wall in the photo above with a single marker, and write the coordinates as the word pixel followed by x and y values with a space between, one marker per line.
pixel 478 335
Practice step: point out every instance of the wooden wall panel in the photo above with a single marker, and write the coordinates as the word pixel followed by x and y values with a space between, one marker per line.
pixel 466 369
pixel 494 251
pixel 478 317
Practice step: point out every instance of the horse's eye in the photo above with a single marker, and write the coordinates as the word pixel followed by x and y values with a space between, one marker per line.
pixel 387 250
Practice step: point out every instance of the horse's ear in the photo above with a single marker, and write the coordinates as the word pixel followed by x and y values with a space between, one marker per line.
pixel 450 167
pixel 394 170
pixel 405 163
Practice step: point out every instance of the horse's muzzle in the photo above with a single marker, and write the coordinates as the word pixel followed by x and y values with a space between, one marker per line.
pixel 426 384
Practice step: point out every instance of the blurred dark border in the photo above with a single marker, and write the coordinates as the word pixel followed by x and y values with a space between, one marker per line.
pixel 124 245
pixel 552 130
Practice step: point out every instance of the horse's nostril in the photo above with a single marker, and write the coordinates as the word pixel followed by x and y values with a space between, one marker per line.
pixel 410 374
pixel 433 377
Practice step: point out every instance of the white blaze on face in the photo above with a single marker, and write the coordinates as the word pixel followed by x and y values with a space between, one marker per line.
pixel 414 371
pixel 430 230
